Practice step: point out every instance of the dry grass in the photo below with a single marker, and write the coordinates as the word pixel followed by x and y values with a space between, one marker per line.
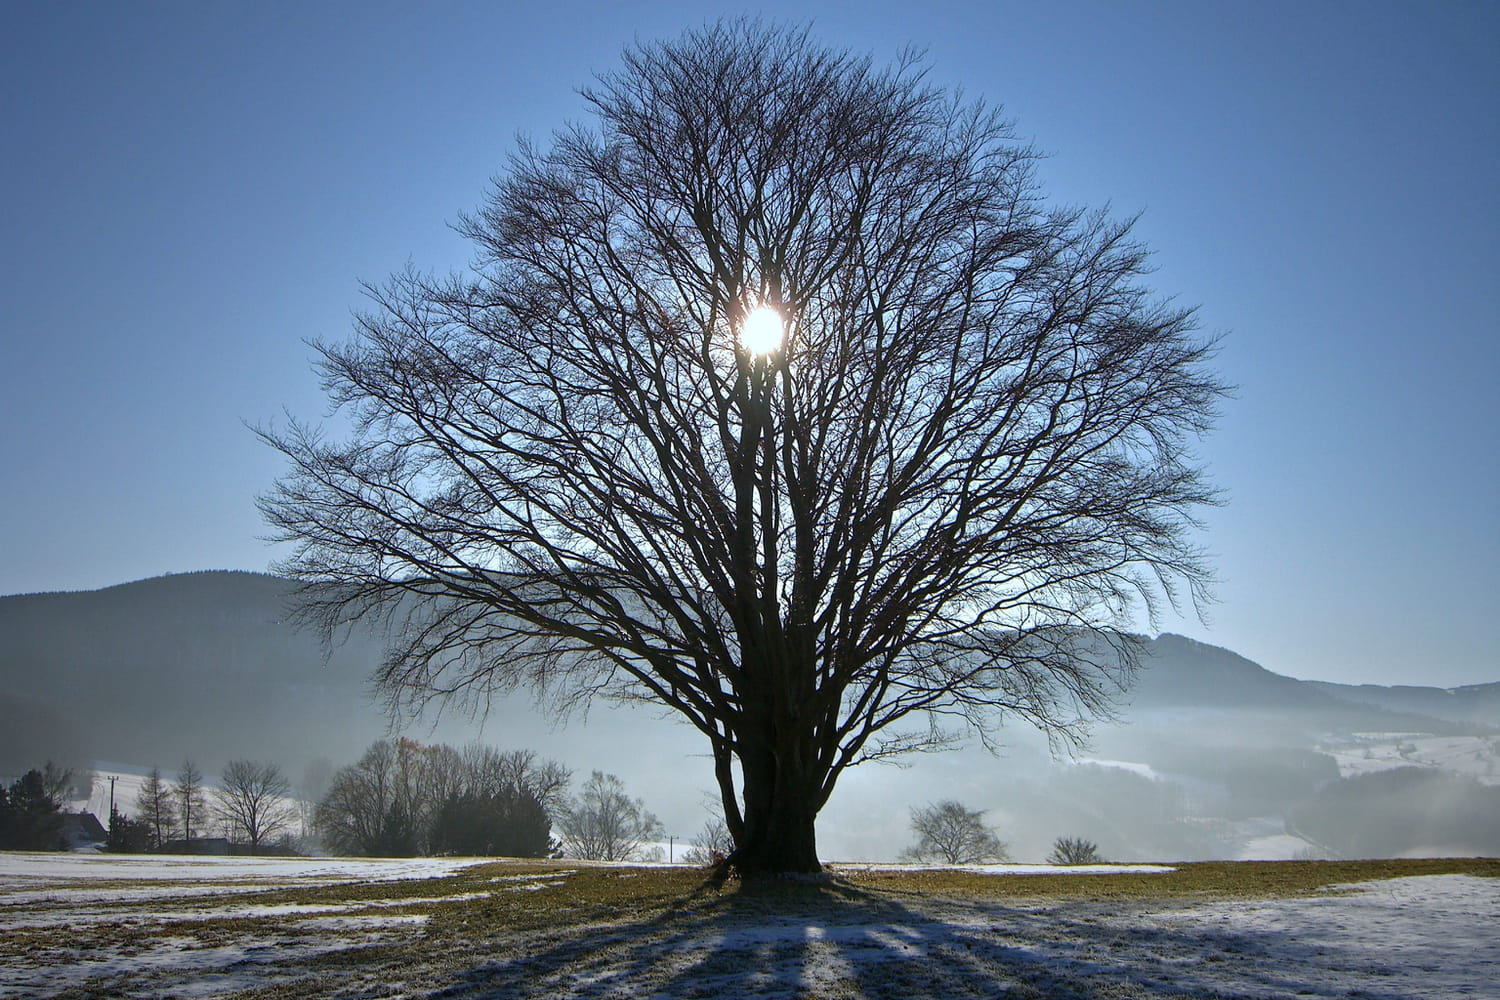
pixel 1226 879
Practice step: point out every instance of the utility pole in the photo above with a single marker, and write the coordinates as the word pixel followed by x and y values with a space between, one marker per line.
pixel 112 780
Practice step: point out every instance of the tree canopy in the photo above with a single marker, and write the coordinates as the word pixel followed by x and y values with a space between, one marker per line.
pixel 937 499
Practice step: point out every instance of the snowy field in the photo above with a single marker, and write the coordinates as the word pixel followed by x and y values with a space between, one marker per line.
pixel 26 867
pixel 81 926
pixel 1476 756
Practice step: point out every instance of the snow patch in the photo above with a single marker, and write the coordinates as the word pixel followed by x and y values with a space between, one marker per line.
pixel 1134 767
pixel 199 868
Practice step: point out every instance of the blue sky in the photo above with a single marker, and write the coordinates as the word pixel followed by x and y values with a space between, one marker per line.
pixel 193 190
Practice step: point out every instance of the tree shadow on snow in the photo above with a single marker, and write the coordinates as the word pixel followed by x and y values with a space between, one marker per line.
pixel 840 940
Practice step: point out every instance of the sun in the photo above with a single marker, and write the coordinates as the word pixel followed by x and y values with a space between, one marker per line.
pixel 762 330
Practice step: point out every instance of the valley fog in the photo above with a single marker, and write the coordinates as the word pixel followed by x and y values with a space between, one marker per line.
pixel 1212 756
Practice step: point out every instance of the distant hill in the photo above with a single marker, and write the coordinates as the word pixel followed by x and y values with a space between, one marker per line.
pixel 1470 703
pixel 200 664
pixel 1183 673
pixel 209 666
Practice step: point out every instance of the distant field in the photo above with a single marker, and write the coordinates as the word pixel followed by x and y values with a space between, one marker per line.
pixel 76 926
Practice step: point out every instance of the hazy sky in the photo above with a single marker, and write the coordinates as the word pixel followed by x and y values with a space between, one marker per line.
pixel 193 190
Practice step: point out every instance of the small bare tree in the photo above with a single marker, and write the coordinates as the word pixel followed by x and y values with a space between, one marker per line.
pixel 252 800
pixel 928 493
pixel 155 805
pixel 188 792
pixel 713 845
pixel 1074 851
pixel 60 783
pixel 948 832
pixel 605 824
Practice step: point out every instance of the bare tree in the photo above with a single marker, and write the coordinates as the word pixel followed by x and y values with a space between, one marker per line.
pixel 441 772
pixel 947 831
pixel 933 490
pixel 713 845
pixel 403 797
pixel 385 803
pixel 1074 851
pixel 252 800
pixel 155 805
pixel 188 792
pixel 61 786
pixel 604 823
pixel 489 772
pixel 351 817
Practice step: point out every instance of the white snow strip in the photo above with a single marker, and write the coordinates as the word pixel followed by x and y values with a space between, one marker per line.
pixel 534 886
pixel 199 868
pixel 1134 767
pixel 533 876
pixel 853 868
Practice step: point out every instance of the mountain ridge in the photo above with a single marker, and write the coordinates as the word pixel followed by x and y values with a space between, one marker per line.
pixel 175 653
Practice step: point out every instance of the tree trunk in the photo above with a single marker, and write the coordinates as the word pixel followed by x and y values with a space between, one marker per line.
pixel 782 798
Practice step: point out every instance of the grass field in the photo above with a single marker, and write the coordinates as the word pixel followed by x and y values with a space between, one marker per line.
pixel 350 928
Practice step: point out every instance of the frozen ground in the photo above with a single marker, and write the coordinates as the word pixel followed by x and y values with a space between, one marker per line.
pixel 1415 938
pixel 92 926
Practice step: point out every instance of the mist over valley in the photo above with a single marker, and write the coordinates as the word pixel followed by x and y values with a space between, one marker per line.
pixel 1212 756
